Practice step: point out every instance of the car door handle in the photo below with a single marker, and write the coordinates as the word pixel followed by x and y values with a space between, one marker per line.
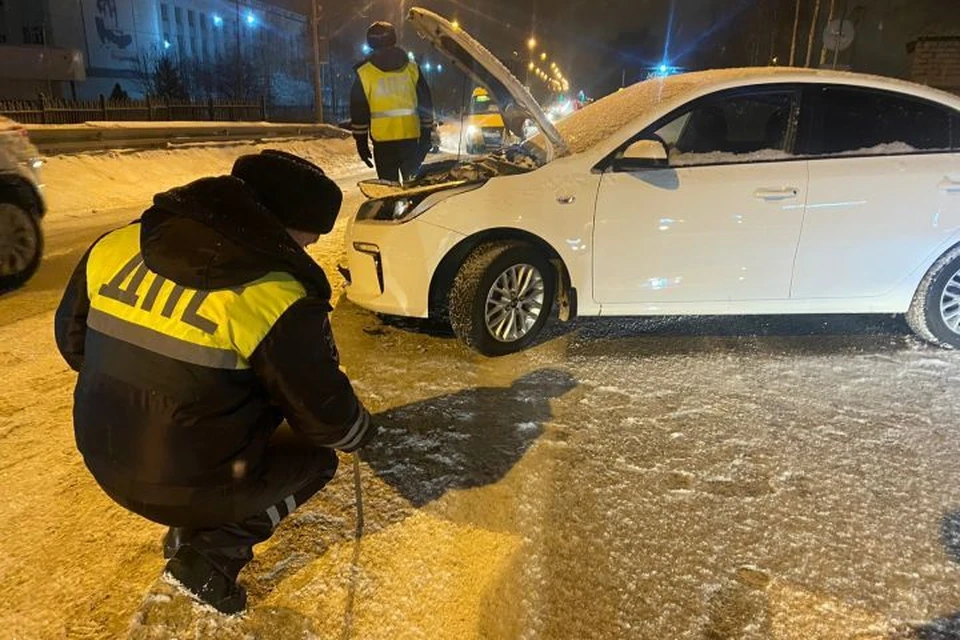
pixel 950 186
pixel 566 199
pixel 776 194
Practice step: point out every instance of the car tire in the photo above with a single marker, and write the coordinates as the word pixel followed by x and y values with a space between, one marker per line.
pixel 934 314
pixel 511 281
pixel 21 245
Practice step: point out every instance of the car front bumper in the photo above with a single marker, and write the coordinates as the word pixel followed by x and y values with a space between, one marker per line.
pixel 389 266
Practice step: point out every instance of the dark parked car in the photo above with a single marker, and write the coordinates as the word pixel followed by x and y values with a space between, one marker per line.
pixel 21 206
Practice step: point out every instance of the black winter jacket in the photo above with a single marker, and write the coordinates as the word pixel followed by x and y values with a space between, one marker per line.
pixel 151 427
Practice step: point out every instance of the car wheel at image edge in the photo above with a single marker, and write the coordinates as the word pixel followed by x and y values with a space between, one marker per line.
pixel 935 311
pixel 21 245
pixel 502 297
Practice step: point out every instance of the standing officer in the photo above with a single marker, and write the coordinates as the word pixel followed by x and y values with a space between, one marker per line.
pixel 197 330
pixel 391 103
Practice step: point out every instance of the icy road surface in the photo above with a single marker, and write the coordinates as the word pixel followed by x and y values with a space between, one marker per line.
pixel 733 478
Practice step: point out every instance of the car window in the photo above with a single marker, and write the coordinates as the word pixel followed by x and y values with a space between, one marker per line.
pixel 733 129
pixel 864 122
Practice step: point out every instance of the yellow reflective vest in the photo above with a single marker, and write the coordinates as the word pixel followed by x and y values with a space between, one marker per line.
pixel 392 96
pixel 213 328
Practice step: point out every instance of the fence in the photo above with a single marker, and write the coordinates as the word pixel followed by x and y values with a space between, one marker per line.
pixel 59 111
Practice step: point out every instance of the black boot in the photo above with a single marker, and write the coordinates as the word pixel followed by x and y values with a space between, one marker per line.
pixel 172 541
pixel 206 581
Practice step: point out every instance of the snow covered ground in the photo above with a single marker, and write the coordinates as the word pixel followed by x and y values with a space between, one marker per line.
pixel 705 478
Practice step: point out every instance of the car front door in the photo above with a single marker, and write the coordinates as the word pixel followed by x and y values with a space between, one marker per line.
pixel 720 222
pixel 884 191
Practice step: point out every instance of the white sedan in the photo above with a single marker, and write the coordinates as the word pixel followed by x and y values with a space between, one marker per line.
pixel 748 191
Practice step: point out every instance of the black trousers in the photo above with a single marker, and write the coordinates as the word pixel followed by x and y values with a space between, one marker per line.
pixel 224 523
pixel 397 161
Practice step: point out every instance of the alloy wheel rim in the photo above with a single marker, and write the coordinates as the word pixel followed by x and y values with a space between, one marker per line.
pixel 18 243
pixel 514 303
pixel 950 303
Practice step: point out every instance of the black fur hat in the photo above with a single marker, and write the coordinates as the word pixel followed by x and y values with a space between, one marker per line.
pixel 381 35
pixel 295 190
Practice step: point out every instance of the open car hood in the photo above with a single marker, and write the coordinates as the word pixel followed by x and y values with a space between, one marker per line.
pixel 468 55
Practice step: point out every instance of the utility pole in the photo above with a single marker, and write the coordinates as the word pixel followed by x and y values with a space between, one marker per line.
pixel 238 73
pixel 315 11
pixel 796 29
pixel 813 32
pixel 823 49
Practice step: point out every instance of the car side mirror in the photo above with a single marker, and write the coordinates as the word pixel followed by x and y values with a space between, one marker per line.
pixel 643 154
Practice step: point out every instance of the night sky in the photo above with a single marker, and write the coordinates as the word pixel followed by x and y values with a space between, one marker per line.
pixel 586 37
pixel 601 43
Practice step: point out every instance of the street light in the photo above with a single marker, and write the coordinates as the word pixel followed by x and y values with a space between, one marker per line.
pixel 532 43
pixel 251 19
pixel 543 56
pixel 217 21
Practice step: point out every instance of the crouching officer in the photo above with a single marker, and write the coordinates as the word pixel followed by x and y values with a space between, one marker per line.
pixel 391 103
pixel 196 331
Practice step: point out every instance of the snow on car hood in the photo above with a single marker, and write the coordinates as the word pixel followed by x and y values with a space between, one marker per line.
pixel 516 103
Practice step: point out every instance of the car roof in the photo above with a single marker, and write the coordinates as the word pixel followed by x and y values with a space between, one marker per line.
pixel 718 79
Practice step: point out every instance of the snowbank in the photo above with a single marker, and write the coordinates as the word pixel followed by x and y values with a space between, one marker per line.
pixel 88 182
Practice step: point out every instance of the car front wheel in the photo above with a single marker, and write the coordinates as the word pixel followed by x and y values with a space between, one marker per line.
pixel 502 297
pixel 935 312
pixel 21 245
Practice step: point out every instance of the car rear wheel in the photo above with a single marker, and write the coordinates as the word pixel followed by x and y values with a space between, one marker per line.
pixel 21 245
pixel 502 297
pixel 935 312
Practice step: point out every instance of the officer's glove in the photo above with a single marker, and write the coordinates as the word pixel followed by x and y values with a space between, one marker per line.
pixel 363 150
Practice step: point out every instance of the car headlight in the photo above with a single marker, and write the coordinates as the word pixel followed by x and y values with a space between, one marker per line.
pixel 403 208
pixel 473 130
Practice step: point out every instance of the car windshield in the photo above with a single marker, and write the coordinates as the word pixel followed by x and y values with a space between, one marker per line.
pixel 594 123
pixel 483 104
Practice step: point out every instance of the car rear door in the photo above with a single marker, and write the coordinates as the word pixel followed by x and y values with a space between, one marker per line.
pixel 721 222
pixel 884 191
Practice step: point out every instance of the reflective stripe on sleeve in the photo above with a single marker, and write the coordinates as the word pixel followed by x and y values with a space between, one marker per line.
pixel 163 344
pixel 355 434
